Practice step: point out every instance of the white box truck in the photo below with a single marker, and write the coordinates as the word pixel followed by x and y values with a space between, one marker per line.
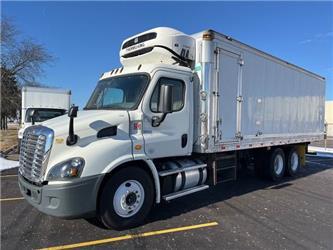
pixel 181 115
pixel 41 104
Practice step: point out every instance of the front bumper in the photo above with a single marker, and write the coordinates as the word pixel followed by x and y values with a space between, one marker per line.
pixel 75 199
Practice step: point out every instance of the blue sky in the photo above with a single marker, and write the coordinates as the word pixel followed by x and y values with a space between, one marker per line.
pixel 85 37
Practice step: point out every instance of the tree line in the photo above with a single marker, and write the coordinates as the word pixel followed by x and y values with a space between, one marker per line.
pixel 21 62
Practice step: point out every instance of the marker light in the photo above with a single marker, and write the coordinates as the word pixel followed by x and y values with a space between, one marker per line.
pixel 136 127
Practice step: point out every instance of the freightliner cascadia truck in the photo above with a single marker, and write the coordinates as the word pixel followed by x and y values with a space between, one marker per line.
pixel 182 114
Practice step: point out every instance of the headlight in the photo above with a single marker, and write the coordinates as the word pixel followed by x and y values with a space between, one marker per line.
pixel 69 169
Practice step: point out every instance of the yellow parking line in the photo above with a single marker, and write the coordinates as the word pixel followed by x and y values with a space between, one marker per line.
pixel 132 236
pixel 6 176
pixel 12 199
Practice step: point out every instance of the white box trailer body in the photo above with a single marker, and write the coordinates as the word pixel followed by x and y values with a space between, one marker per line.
pixel 53 100
pixel 50 98
pixel 255 99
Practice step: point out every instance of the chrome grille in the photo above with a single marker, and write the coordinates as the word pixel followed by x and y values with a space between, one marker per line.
pixel 35 147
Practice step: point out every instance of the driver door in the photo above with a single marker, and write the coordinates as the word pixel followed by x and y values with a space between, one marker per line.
pixel 173 137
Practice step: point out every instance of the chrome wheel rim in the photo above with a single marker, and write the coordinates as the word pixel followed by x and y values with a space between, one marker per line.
pixel 294 162
pixel 128 198
pixel 278 165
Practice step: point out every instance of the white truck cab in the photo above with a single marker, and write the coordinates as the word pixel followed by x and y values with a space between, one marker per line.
pixel 154 130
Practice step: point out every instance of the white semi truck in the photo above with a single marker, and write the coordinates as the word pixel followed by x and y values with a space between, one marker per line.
pixel 41 104
pixel 181 115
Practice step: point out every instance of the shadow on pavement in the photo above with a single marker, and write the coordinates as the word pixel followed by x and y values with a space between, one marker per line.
pixel 247 182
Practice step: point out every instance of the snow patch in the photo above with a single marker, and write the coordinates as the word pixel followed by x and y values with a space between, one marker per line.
pixel 325 152
pixel 6 164
pixel 320 149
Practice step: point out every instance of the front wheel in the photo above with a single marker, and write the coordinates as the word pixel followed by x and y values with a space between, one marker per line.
pixel 126 198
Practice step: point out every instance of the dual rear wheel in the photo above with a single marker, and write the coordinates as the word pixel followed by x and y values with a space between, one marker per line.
pixel 277 163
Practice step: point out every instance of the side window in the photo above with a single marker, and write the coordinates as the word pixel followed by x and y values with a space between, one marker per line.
pixel 178 93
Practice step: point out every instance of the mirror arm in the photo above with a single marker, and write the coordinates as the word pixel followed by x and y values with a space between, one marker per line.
pixel 33 116
pixel 157 120
pixel 72 137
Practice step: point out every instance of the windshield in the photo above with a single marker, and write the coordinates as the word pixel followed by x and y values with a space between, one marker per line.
pixel 122 92
pixel 43 114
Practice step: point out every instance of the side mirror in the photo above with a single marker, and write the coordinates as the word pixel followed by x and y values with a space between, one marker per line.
pixel 33 117
pixel 73 111
pixel 72 138
pixel 164 104
pixel 165 99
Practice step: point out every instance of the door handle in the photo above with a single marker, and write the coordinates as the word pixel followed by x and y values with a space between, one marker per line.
pixel 184 140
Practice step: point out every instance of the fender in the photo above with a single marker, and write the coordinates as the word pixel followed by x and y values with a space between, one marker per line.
pixel 129 159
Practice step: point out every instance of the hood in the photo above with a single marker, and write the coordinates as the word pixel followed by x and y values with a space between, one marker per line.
pixel 88 122
pixel 86 126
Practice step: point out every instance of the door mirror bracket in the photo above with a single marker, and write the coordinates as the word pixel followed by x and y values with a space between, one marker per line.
pixel 157 120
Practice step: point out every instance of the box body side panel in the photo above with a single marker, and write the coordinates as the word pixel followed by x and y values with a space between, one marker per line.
pixel 278 100
pixel 273 103
pixel 50 99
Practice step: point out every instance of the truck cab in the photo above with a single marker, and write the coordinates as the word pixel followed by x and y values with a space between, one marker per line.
pixel 41 104
pixel 35 116
pixel 103 163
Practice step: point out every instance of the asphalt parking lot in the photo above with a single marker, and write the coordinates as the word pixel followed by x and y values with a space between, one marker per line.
pixel 296 213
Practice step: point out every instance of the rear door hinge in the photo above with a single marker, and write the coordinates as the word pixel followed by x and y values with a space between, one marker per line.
pixel 238 135
pixel 240 98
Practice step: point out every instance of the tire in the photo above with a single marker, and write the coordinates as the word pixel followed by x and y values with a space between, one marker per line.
pixel 293 162
pixel 126 198
pixel 96 222
pixel 276 165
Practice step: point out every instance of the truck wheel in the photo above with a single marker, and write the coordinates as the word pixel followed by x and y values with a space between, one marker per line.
pixel 126 198
pixel 293 162
pixel 276 165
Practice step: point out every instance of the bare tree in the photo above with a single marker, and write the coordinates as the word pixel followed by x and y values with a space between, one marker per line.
pixel 25 58
pixel 10 98
pixel 21 63
pixel 8 33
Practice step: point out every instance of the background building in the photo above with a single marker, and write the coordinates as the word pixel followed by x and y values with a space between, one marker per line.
pixel 329 117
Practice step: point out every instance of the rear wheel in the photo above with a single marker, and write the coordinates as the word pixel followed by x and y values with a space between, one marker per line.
pixel 293 162
pixel 126 198
pixel 276 164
